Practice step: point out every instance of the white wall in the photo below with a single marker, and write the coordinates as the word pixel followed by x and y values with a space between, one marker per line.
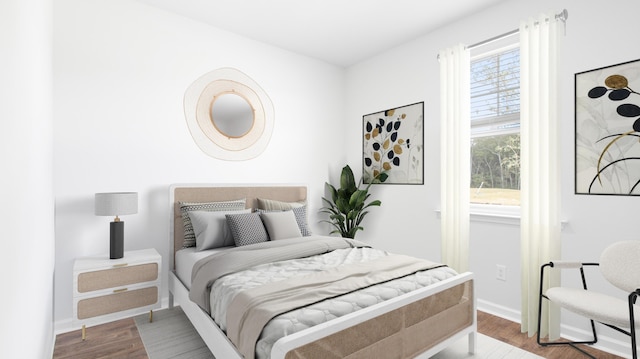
pixel 597 34
pixel 121 69
pixel 26 258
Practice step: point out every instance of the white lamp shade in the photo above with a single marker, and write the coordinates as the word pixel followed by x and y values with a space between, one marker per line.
pixel 116 203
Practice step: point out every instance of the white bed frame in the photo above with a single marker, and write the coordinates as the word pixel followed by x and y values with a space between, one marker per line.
pixel 221 346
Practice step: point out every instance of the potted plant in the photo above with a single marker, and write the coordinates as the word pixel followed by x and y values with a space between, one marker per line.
pixel 347 207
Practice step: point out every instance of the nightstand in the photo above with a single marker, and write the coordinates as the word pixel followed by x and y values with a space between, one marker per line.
pixel 107 289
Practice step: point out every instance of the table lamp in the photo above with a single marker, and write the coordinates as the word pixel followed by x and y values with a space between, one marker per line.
pixel 116 204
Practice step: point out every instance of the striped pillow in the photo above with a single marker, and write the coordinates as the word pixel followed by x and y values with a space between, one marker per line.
pixel 186 207
pixel 273 205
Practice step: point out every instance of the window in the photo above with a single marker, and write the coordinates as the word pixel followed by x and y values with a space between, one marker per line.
pixel 495 127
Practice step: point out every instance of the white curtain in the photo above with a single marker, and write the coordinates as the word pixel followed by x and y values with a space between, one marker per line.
pixel 455 156
pixel 540 169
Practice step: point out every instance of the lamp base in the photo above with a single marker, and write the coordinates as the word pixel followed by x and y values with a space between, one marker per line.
pixel 116 240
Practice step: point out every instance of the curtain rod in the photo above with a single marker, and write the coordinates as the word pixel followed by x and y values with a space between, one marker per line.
pixel 562 16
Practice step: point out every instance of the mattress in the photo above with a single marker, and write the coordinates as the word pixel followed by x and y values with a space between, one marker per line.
pixel 225 289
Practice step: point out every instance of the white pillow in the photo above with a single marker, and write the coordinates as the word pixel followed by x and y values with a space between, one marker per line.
pixel 211 230
pixel 280 225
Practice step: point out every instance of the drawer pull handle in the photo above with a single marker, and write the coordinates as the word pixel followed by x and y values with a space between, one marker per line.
pixel 120 265
pixel 120 290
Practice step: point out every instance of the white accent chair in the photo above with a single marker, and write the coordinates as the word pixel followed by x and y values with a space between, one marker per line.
pixel 620 265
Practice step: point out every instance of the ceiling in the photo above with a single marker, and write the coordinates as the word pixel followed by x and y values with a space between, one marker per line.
pixel 340 32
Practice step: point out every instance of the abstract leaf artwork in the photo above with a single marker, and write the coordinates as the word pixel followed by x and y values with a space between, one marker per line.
pixel 608 130
pixel 392 147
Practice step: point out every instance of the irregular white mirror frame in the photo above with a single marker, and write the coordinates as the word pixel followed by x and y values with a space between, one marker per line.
pixel 197 108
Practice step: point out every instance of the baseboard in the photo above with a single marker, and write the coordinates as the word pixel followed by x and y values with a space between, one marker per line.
pixel 605 343
pixel 63 326
pixel 498 310
pixel 52 348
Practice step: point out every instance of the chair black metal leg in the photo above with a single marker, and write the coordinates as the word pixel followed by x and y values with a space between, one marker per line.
pixel 632 323
pixel 540 296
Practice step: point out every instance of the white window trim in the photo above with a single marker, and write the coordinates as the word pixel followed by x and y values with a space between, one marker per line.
pixel 499 214
pixel 492 213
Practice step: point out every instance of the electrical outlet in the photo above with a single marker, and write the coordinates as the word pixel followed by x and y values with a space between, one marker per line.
pixel 501 272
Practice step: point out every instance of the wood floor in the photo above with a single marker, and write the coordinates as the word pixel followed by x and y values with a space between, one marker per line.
pixel 509 332
pixel 120 339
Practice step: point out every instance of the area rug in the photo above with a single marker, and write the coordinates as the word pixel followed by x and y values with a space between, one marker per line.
pixel 486 348
pixel 171 336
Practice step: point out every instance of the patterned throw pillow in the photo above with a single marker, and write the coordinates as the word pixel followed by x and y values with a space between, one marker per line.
pixel 185 208
pixel 301 219
pixel 247 228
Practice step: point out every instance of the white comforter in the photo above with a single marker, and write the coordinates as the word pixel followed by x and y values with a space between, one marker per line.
pixel 225 288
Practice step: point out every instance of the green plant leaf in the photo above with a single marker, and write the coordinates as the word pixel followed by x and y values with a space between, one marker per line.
pixel 347 180
pixel 357 200
pixel 373 203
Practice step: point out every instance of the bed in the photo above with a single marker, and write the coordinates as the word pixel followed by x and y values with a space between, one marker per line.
pixel 417 323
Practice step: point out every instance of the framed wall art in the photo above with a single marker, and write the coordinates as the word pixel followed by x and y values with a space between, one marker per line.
pixel 393 145
pixel 607 140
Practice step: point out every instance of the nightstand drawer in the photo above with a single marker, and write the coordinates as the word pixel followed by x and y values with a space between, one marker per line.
pixel 117 276
pixel 116 302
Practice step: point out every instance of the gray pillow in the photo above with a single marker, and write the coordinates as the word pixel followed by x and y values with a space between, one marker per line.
pixel 280 225
pixel 247 228
pixel 211 230
pixel 301 218
pixel 186 207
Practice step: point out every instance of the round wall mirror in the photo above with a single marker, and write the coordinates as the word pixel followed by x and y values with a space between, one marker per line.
pixel 232 115
pixel 229 115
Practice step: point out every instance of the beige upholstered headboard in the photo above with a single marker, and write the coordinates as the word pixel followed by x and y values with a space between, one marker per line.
pixel 213 193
